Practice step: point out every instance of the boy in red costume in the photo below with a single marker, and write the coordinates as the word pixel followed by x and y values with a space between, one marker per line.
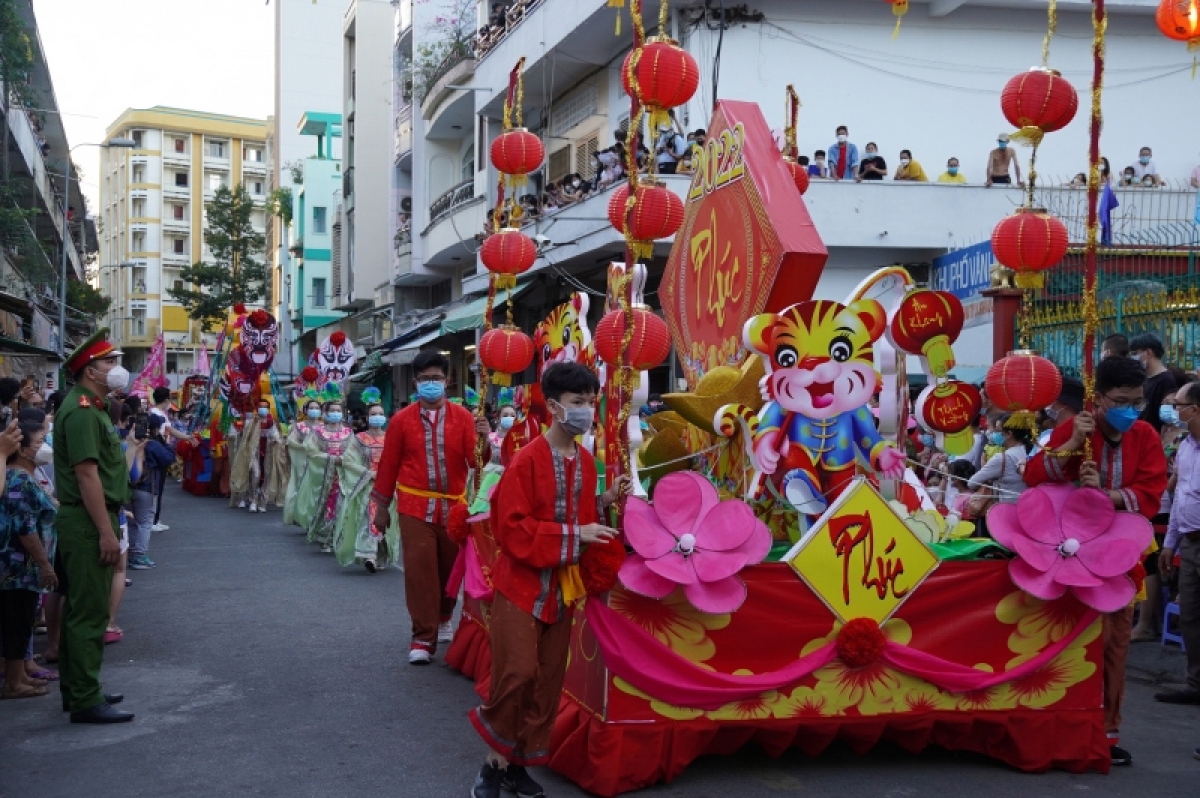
pixel 544 511
pixel 427 454
pixel 1127 462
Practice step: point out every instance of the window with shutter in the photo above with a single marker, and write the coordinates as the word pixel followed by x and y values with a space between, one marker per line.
pixel 560 164
pixel 584 150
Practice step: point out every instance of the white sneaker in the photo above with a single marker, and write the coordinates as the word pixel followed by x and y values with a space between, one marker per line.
pixel 253 507
pixel 326 548
pixel 262 508
pixel 419 656
pixel 159 528
pixel 445 632
pixel 242 504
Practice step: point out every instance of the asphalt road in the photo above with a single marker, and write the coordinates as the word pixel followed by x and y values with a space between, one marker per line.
pixel 256 666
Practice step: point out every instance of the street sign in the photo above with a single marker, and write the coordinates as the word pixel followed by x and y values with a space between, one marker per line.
pixel 964 273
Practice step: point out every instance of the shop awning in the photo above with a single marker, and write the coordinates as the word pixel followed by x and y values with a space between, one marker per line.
pixel 408 353
pixel 9 346
pixel 470 315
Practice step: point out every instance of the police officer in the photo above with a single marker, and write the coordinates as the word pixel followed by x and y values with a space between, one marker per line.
pixel 92 482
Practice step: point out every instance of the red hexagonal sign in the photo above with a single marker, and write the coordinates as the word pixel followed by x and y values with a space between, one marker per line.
pixel 747 244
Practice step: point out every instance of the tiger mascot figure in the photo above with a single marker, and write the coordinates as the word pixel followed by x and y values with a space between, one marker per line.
pixel 563 337
pixel 815 425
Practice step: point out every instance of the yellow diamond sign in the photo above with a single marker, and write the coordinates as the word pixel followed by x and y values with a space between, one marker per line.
pixel 860 558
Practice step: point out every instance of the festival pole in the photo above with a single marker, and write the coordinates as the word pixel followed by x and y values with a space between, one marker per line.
pixel 1091 320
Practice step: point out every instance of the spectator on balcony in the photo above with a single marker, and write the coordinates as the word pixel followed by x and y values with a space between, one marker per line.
pixel 669 147
pixel 1128 178
pixel 952 174
pixel 818 168
pixel 1196 177
pixel 496 18
pixel 1001 162
pixel 843 156
pixel 1105 171
pixel 1145 168
pixel 612 165
pixel 1150 181
pixel 570 190
pixel 872 166
pixel 909 169
pixel 555 197
pixel 529 206
pixel 1078 181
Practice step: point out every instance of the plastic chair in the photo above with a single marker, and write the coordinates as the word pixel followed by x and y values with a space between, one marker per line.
pixel 1167 635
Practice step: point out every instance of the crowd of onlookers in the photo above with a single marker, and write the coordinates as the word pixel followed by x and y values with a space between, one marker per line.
pixel 843 161
pixel 501 14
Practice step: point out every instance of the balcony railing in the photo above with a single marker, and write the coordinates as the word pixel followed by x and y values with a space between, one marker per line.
pixel 348 183
pixel 1145 216
pixel 496 30
pixel 404 131
pixel 451 199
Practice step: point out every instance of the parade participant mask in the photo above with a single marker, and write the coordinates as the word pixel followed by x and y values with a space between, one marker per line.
pixel 377 421
pixel 313 413
pixel 260 337
pixel 1121 418
pixel 431 391
pixel 333 418
pixel 506 422
pixel 576 420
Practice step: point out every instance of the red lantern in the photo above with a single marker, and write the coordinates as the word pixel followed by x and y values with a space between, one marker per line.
pixel 1028 242
pixel 508 251
pixel 926 323
pixel 949 409
pixel 517 152
pixel 1180 20
pixel 1023 382
pixel 649 347
pixel 657 213
pixel 799 174
pixel 1039 101
pixel 666 75
pixel 505 351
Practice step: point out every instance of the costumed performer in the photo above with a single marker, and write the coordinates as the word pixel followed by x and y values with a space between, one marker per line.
pixel 505 418
pixel 355 540
pixel 259 467
pixel 310 418
pixel 544 511
pixel 321 488
pixel 428 453
pixel 1128 462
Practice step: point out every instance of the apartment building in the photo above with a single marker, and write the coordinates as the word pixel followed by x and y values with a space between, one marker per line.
pixel 53 218
pixel 934 90
pixel 153 218
pixel 308 76
pixel 310 274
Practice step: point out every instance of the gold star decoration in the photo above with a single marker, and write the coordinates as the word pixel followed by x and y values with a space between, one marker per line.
pixel 724 385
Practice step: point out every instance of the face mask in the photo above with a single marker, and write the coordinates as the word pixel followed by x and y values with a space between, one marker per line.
pixel 1145 159
pixel 506 422
pixel 1168 415
pixel 313 413
pixel 45 455
pixel 952 170
pixel 1052 414
pixel 264 411
pixel 997 438
pixel 1121 418
pixel 575 183
pixel 377 421
pixel 117 379
pixel 842 138
pixel 576 420
pixel 904 162
pixel 431 391
pixel 1129 175
pixel 333 418
pixel 871 153
pixel 926 440
pixel 1002 144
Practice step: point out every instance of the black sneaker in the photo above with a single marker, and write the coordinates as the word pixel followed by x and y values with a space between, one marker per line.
pixel 517 780
pixel 1120 757
pixel 487 783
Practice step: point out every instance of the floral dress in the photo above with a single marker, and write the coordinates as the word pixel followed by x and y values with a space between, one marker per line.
pixel 355 540
pixel 26 509
pixel 322 446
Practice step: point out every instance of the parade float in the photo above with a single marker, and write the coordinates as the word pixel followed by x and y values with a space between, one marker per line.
pixel 784 579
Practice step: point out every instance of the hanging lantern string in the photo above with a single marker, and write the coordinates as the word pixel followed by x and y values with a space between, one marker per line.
pixel 1033 175
pixel 663 17
pixel 513 99
pixel 1091 317
pixel 1052 15
pixel 792 115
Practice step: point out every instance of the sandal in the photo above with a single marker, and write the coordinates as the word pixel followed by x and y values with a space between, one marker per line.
pixel 25 692
pixel 113 636
pixel 44 675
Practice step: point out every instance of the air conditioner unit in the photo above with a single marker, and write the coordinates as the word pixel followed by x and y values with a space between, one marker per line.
pixel 406 204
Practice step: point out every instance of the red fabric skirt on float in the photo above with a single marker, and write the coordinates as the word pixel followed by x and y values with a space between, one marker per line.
pixel 1039 664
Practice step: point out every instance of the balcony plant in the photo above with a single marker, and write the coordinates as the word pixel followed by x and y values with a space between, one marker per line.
pixel 447 44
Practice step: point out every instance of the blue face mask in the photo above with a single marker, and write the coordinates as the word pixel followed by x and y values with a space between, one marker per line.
pixel 926 440
pixel 313 413
pixel 953 170
pixel 1002 144
pixel 1145 159
pixel 431 391
pixel 1121 418
pixel 333 418
pixel 997 438
pixel 264 411
pixel 377 421
pixel 506 422
pixel 1168 415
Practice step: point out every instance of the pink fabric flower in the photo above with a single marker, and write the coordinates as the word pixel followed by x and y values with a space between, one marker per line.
pixel 689 537
pixel 1069 538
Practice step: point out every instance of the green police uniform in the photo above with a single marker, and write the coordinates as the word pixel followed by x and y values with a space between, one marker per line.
pixel 83 431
